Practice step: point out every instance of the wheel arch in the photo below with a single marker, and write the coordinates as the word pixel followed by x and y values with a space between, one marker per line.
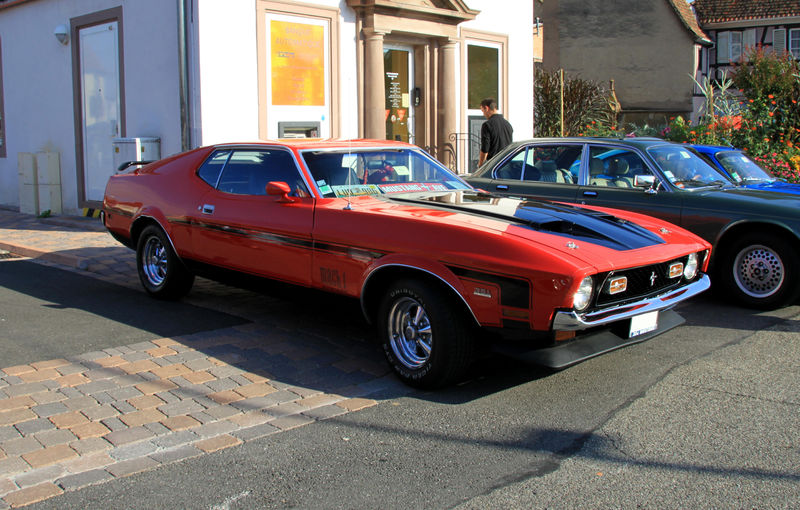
pixel 733 232
pixel 142 222
pixel 380 278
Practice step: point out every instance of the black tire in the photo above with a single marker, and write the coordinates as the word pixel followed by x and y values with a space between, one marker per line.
pixel 161 272
pixel 427 337
pixel 759 271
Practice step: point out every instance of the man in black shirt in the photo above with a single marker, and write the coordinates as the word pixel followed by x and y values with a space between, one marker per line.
pixel 496 132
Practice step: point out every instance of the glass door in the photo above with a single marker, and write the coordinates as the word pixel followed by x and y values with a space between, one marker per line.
pixel 399 78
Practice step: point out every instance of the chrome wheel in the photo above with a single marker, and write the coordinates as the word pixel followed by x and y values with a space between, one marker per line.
pixel 759 271
pixel 410 332
pixel 154 261
pixel 162 273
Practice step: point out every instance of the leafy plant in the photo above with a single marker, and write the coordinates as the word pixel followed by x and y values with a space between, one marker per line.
pixel 586 103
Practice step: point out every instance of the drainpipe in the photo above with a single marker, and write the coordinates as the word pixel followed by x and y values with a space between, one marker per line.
pixel 184 8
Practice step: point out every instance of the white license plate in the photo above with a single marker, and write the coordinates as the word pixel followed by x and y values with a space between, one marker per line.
pixel 643 323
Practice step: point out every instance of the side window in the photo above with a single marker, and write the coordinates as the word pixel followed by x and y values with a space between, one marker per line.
pixel 210 170
pixel 553 163
pixel 511 169
pixel 618 168
pixel 248 172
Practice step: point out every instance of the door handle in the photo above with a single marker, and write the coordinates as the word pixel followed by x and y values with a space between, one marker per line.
pixel 590 193
pixel 502 187
pixel 207 209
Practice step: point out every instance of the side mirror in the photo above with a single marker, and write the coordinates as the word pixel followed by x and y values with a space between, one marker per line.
pixel 644 181
pixel 282 190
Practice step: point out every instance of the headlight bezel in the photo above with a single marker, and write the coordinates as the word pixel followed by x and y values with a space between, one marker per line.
pixel 692 266
pixel 583 296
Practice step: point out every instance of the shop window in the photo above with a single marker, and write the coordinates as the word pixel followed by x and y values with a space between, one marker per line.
pixel 483 75
pixel 297 71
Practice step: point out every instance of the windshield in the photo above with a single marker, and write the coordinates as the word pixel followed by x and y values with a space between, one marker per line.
pixel 374 172
pixel 741 168
pixel 684 168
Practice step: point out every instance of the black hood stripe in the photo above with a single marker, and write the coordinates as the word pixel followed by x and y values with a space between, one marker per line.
pixel 572 222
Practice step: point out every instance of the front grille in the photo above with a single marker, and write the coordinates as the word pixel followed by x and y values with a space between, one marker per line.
pixel 642 282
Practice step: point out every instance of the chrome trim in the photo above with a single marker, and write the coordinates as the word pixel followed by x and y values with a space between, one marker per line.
pixel 573 321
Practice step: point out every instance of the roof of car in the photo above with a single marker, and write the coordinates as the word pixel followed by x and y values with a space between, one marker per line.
pixel 641 142
pixel 712 148
pixel 328 143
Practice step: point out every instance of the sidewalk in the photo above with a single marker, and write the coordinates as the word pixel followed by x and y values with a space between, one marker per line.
pixel 69 423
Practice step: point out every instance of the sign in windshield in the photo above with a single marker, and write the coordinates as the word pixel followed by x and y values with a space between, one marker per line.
pixel 374 172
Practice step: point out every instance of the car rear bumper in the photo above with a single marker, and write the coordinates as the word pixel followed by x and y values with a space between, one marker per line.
pixel 573 321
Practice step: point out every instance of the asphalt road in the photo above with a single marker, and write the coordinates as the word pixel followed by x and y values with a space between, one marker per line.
pixel 705 415
pixel 51 313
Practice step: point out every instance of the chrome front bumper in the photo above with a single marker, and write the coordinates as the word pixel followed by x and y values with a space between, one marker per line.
pixel 573 321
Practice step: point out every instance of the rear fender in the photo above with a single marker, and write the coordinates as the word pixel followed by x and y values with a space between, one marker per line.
pixel 150 216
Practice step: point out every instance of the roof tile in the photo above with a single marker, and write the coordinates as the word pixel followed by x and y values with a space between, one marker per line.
pixel 689 19
pixel 718 11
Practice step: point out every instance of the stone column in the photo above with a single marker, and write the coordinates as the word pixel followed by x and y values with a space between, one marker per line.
pixel 447 104
pixel 374 86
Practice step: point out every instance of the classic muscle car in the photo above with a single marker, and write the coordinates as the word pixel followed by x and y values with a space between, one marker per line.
pixel 755 234
pixel 433 261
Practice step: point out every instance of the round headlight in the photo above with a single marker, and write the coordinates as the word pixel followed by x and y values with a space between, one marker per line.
pixel 583 297
pixel 690 270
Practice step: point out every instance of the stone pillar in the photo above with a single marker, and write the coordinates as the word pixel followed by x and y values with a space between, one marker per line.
pixel 374 86
pixel 448 107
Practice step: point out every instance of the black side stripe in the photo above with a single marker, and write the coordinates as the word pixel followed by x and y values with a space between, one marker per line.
pixel 349 251
pixel 513 291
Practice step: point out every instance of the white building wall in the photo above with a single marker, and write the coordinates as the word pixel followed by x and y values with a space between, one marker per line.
pixel 512 18
pixel 227 98
pixel 38 75
pixel 227 71
pixel 37 83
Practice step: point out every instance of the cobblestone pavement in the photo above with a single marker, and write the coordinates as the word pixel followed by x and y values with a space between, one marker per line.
pixel 88 418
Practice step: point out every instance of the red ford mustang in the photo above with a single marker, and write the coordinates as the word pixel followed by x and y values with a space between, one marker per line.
pixel 435 263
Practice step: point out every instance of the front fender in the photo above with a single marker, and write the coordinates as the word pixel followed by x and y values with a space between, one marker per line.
pixel 381 272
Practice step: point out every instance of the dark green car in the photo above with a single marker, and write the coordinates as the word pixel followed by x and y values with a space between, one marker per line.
pixel 755 234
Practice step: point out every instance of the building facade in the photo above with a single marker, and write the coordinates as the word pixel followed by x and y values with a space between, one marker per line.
pixel 83 84
pixel 650 49
pixel 735 27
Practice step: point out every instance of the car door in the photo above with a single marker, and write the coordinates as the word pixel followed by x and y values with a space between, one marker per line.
pixel 239 226
pixel 609 180
pixel 545 171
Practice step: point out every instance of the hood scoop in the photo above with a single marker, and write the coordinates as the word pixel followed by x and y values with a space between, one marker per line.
pixel 574 223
